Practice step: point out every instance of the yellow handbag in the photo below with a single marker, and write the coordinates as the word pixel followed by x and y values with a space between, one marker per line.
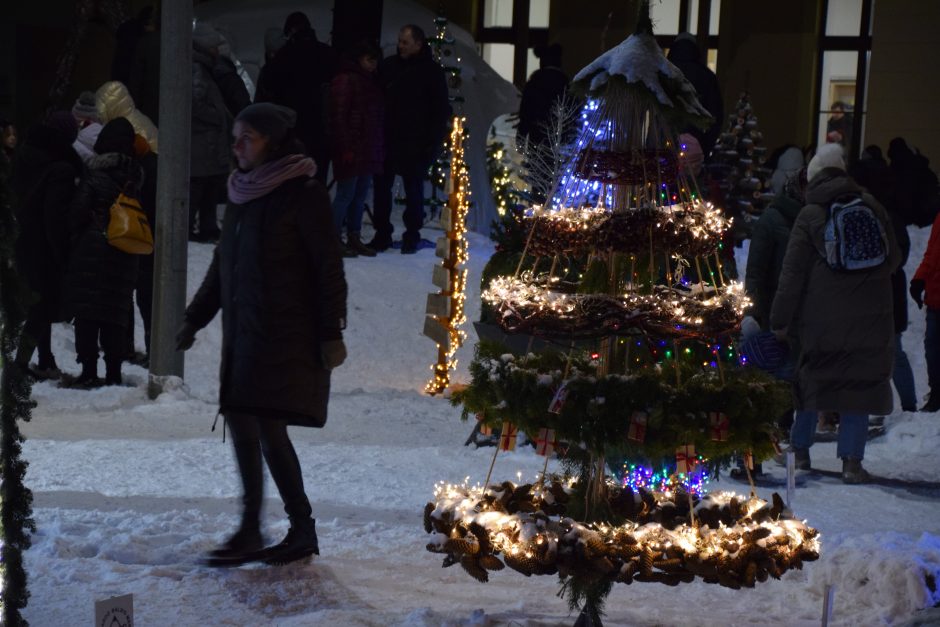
pixel 128 228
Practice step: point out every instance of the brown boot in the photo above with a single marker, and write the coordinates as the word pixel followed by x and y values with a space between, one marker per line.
pixel 354 243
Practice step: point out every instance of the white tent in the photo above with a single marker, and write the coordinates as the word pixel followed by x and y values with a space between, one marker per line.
pixel 487 95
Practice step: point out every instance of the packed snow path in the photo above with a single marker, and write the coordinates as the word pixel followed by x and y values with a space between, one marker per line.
pixel 129 493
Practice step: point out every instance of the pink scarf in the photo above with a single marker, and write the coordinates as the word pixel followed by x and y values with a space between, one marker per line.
pixel 246 186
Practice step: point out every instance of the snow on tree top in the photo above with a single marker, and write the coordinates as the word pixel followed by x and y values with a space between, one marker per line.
pixel 639 59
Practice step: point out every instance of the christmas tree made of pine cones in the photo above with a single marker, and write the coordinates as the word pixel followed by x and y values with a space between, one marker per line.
pixel 652 281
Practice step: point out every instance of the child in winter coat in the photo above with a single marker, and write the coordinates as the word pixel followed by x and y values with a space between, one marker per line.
pixel 925 289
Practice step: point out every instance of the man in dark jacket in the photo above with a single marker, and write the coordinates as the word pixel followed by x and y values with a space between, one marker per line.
pixel 543 89
pixel 298 77
pixel 416 114
pixel 44 183
pixel 685 55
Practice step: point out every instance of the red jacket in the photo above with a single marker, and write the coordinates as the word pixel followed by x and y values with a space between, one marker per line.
pixel 356 124
pixel 929 268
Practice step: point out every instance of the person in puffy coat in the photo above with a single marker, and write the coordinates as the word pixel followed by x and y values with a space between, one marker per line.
pixel 44 183
pixel 100 279
pixel 113 101
pixel 356 133
pixel 844 321
pixel 277 276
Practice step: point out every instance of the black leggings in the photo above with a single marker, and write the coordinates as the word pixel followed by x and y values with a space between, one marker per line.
pixel 252 437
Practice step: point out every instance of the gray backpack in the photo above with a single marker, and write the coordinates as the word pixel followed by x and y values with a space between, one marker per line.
pixel 855 238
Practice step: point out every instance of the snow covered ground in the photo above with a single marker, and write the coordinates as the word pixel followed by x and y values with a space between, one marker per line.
pixel 129 492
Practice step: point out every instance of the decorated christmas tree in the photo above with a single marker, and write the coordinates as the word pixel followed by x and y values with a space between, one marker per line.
pixel 645 373
pixel 444 50
pixel 737 164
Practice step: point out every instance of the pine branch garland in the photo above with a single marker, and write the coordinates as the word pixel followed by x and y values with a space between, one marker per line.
pixel 16 521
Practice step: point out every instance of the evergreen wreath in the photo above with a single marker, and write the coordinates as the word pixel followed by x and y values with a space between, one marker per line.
pixel 597 410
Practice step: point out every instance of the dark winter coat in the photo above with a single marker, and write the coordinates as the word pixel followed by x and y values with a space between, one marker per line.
pixel 356 127
pixel 298 77
pixel 929 269
pixel 917 198
pixel 416 112
pixel 277 275
pixel 685 55
pixel 211 133
pixel 541 92
pixel 874 175
pixel 100 278
pixel 765 255
pixel 44 183
pixel 844 319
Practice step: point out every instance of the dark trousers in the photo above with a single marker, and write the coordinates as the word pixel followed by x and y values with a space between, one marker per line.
pixel 87 335
pixel 254 437
pixel 204 195
pixel 414 205
pixel 36 333
pixel 144 291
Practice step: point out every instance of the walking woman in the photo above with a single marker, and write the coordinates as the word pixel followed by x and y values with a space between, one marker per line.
pixel 277 276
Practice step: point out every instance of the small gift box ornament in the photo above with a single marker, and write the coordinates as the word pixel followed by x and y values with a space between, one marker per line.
pixel 507 437
pixel 720 425
pixel 638 422
pixel 485 429
pixel 685 458
pixel 749 460
pixel 545 442
pixel 558 401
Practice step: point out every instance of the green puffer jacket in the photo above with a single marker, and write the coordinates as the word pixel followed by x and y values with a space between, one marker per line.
pixel 844 320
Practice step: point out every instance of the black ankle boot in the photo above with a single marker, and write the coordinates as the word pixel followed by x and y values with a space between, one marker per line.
pixel 300 542
pixel 243 546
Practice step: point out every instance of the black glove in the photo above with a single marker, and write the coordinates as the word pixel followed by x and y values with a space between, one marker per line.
pixel 333 353
pixel 917 292
pixel 186 336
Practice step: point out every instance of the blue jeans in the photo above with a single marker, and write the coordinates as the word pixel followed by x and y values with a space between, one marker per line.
pixel 903 377
pixel 853 432
pixel 349 203
pixel 932 350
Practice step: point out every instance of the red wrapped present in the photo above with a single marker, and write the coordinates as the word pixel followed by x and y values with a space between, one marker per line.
pixel 545 443
pixel 685 458
pixel 720 425
pixel 558 401
pixel 638 422
pixel 507 437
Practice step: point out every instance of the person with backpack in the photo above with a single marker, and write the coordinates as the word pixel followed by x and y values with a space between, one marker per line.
pixel 834 292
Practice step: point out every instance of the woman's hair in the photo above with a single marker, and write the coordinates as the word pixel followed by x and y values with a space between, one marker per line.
pixel 365 48
pixel 289 145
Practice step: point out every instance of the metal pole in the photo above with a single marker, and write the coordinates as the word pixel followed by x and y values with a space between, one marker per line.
pixel 172 233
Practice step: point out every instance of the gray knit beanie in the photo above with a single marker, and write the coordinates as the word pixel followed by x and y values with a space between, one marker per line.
pixel 84 108
pixel 269 119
